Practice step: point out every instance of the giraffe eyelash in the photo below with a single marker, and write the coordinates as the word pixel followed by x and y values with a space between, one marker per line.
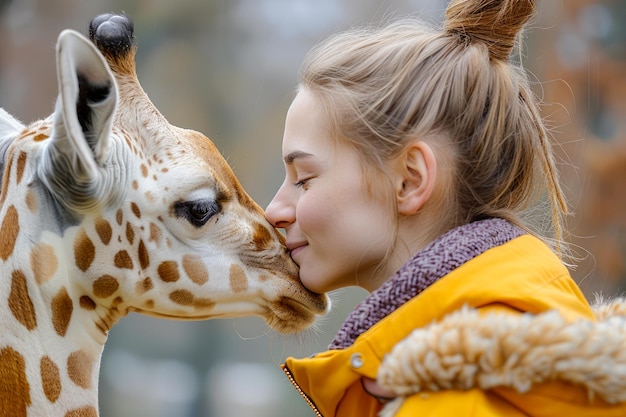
pixel 197 212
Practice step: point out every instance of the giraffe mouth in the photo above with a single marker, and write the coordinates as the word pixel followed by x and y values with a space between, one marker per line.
pixel 289 315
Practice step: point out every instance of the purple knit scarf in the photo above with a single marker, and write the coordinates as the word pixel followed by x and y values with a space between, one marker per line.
pixel 439 258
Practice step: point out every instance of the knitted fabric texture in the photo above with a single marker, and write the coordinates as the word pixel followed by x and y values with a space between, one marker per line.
pixel 439 258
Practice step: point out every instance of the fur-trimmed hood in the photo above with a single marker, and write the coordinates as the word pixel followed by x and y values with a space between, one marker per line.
pixel 467 349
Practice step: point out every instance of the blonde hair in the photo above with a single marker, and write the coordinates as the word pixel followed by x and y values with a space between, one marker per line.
pixel 382 87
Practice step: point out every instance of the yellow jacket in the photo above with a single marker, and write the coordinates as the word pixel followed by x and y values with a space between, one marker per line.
pixel 463 347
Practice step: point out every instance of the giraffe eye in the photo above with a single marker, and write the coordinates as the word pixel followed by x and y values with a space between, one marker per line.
pixel 197 212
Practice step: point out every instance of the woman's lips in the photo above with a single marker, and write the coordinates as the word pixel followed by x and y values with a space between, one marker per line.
pixel 295 248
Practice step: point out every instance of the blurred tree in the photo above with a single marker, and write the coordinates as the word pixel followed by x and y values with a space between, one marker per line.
pixel 582 57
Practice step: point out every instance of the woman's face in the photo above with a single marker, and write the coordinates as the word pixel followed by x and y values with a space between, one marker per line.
pixel 337 232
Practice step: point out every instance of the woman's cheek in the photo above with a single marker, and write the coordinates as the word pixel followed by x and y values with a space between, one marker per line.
pixel 313 213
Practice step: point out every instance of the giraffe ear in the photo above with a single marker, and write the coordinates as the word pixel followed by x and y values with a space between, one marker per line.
pixel 10 127
pixel 74 159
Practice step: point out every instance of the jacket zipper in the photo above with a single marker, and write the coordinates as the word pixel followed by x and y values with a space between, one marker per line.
pixel 306 398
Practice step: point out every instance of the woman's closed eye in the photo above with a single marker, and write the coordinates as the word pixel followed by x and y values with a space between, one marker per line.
pixel 302 183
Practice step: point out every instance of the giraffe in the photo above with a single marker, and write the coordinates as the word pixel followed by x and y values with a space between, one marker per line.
pixel 106 209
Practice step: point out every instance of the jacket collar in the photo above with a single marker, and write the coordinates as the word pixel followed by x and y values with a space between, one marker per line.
pixel 442 256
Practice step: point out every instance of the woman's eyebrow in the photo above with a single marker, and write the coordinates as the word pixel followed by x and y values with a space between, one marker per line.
pixel 295 155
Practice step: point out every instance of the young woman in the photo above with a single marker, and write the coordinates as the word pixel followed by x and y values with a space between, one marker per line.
pixel 411 155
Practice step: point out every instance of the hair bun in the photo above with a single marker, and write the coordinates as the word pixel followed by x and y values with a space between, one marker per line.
pixel 495 23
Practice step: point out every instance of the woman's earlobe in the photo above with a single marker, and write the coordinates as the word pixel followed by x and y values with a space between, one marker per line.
pixel 418 172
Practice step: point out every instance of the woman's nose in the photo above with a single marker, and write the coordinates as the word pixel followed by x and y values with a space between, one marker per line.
pixel 281 211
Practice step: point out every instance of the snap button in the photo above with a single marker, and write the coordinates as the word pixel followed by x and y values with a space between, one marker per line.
pixel 356 360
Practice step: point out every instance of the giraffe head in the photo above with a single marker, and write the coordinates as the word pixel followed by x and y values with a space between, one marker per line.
pixel 106 209
pixel 173 232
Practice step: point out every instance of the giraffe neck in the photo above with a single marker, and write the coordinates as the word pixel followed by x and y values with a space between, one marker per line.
pixel 59 349
pixel 49 338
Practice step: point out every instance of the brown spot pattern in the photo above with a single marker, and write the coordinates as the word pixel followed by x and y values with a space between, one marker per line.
pixel 79 368
pixel 238 279
pixel 122 260
pixel 21 164
pixel 195 269
pixel 50 379
pixel 87 411
pixel 62 308
pixel 168 271
pixel 15 400
pixel 204 303
pixel 182 297
pixel 119 217
pixel 20 303
pixel 104 230
pixel 117 301
pixel 8 232
pixel 155 233
pixel 31 201
pixel 87 303
pixel 43 262
pixel 142 254
pixel 130 233
pixel 40 137
pixel 150 196
pixel 135 208
pixel 144 170
pixel 262 236
pixel 84 250
pixel 144 285
pixel 105 286
pixel 5 182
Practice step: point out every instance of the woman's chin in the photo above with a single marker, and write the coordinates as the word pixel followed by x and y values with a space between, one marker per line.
pixel 313 283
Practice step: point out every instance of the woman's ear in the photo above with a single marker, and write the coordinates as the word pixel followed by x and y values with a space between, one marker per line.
pixel 415 182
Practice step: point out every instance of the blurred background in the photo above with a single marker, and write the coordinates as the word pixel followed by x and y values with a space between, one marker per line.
pixel 228 68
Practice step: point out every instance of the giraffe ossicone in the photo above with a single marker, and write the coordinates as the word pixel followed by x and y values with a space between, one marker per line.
pixel 106 209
